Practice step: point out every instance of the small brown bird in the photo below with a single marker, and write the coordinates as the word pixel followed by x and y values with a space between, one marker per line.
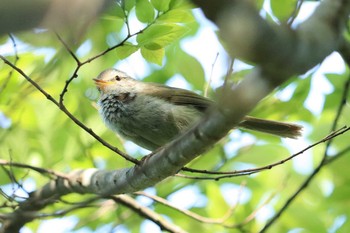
pixel 151 114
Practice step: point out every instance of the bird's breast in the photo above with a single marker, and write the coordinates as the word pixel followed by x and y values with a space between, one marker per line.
pixel 146 120
pixel 115 106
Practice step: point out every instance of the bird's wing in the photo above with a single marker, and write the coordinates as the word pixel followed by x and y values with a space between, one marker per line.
pixel 179 96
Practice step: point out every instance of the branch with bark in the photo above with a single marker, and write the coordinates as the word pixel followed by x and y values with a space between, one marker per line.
pixel 17 15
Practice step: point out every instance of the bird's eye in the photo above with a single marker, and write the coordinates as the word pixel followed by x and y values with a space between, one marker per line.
pixel 117 78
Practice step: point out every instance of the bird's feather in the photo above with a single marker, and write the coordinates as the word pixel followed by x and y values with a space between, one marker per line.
pixel 178 96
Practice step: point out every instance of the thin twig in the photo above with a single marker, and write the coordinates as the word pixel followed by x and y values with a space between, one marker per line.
pixel 191 214
pixel 68 49
pixel 34 168
pixel 8 78
pixel 113 47
pixel 80 64
pixel 210 76
pixel 255 212
pixel 320 165
pixel 60 103
pixel 73 118
pixel 245 172
pixel 147 213
pixel 337 156
pixel 76 206
pixel 295 12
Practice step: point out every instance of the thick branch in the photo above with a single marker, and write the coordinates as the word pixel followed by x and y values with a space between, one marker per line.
pixel 278 50
pixel 17 15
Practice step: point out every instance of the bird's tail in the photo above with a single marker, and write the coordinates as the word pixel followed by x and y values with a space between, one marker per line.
pixel 286 130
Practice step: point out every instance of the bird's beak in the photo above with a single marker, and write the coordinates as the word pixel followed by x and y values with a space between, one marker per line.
pixel 101 84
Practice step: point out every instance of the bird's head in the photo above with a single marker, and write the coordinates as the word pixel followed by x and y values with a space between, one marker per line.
pixel 114 81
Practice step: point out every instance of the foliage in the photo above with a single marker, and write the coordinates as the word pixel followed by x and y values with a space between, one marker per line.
pixel 40 134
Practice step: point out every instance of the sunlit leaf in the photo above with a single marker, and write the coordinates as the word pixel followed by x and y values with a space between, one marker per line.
pixel 119 12
pixel 216 199
pixel 128 4
pixel 176 16
pixel 155 55
pixel 125 50
pixel 161 34
pixel 192 70
pixel 283 9
pixel 161 5
pixel 144 11
pixel 180 4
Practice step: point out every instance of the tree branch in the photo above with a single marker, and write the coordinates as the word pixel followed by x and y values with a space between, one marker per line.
pixel 17 15
pixel 147 213
pixel 245 172
pixel 325 160
pixel 63 108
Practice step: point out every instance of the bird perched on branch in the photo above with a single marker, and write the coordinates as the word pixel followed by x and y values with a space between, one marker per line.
pixel 151 114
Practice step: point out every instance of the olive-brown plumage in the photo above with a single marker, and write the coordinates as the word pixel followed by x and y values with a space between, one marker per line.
pixel 151 114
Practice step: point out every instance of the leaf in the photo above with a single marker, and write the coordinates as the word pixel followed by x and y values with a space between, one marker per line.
pixel 126 50
pixel 128 4
pixel 283 9
pixel 144 11
pixel 302 90
pixel 154 56
pixel 161 5
pixel 161 34
pixel 180 4
pixel 216 199
pixel 153 46
pixel 119 12
pixel 262 155
pixel 176 16
pixel 259 3
pixel 192 70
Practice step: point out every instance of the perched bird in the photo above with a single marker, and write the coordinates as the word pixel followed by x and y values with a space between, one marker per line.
pixel 151 114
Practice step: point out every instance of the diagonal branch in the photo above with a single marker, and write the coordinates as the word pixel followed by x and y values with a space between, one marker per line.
pixel 325 160
pixel 65 110
pixel 147 213
pixel 228 174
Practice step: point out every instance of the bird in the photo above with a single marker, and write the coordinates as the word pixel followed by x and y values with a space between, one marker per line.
pixel 153 114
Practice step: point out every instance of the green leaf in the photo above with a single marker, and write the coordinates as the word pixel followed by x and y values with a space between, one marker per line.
pixel 161 34
pixel 259 3
pixel 161 5
pixel 154 56
pixel 128 4
pixel 144 11
pixel 126 50
pixel 192 70
pixel 180 4
pixel 216 199
pixel 283 9
pixel 153 46
pixel 119 12
pixel 303 89
pixel 176 16
pixel 262 154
